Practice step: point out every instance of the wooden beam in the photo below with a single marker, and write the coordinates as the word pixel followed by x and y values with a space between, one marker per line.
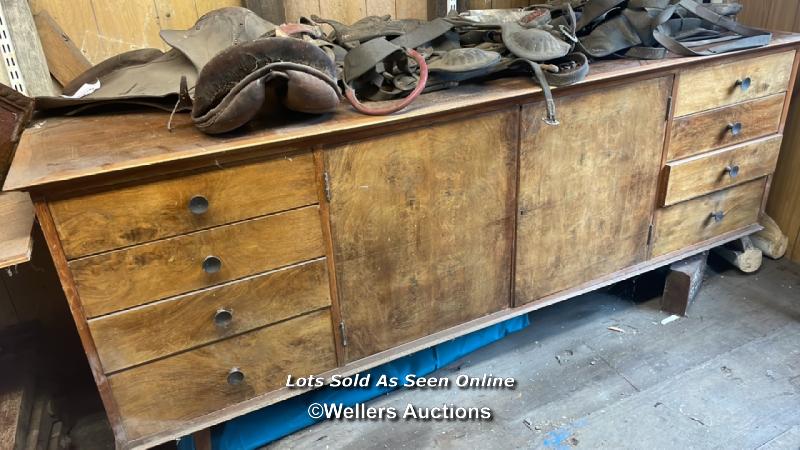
pixel 742 254
pixel 683 283
pixel 64 58
pixel 771 240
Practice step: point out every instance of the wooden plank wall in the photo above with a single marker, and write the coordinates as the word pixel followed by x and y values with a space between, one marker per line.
pixel 772 14
pixel 104 28
pixel 349 11
pixel 784 199
pixel 499 4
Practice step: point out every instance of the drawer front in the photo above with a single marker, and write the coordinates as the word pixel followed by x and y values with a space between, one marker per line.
pixel 699 175
pixel 143 334
pixel 134 276
pixel 168 393
pixel 720 85
pixel 695 134
pixel 109 220
pixel 691 222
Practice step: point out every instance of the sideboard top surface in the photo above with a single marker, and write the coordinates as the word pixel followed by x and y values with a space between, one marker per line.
pixel 58 150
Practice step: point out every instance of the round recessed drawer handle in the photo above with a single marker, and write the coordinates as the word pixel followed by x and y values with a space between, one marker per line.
pixel 212 264
pixel 198 205
pixel 717 216
pixel 235 376
pixel 744 84
pixel 223 318
pixel 732 170
pixel 735 128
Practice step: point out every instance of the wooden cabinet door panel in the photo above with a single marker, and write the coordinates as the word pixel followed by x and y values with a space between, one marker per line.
pixel 587 187
pixel 422 225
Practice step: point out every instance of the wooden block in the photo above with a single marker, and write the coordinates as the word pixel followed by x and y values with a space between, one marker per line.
pixel 771 240
pixel 742 254
pixel 683 283
pixel 64 58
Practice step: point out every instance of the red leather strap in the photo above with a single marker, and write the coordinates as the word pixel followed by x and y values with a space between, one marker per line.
pixel 350 94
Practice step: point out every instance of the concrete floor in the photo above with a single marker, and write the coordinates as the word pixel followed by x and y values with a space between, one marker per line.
pixel 727 377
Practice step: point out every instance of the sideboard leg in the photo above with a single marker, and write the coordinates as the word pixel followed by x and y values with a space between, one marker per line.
pixel 683 283
pixel 742 254
pixel 202 439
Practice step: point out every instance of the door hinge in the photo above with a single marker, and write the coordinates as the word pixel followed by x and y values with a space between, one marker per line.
pixel 669 108
pixel 327 180
pixel 343 333
pixel 650 235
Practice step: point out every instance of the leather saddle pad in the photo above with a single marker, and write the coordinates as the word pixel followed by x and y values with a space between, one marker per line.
pixel 235 86
pixel 152 77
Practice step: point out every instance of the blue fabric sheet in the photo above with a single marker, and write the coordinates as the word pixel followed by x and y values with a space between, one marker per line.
pixel 276 421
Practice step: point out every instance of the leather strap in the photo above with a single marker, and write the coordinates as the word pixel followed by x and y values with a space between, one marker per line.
pixel 595 9
pixel 363 58
pixel 666 32
pixel 422 34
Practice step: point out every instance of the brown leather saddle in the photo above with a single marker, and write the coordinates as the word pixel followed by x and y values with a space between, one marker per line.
pixel 234 87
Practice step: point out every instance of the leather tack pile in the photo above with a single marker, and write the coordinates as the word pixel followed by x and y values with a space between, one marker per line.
pixel 233 67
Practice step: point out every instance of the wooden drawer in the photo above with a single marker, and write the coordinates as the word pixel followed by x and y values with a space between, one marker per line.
pixel 699 175
pixel 143 334
pixel 137 275
pixel 697 133
pixel 168 393
pixel 715 86
pixel 691 222
pixel 109 220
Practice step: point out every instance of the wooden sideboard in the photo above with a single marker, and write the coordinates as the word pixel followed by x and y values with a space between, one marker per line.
pixel 201 271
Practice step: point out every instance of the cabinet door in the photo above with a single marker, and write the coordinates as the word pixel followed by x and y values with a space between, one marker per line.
pixel 422 225
pixel 587 187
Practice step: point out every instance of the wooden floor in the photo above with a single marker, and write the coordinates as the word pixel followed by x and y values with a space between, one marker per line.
pixel 726 377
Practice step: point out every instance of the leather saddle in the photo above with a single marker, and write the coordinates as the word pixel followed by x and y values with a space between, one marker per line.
pixel 235 85
pixel 152 77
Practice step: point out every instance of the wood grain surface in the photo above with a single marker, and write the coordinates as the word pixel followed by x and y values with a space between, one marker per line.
pixel 64 59
pixel 16 223
pixel 422 226
pixel 140 213
pixel 170 392
pixel 76 149
pixel 102 29
pixel 153 331
pixel 586 186
pixel 690 222
pixel 124 278
pixel 715 86
pixel 784 195
pixel 699 175
pixel 709 130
